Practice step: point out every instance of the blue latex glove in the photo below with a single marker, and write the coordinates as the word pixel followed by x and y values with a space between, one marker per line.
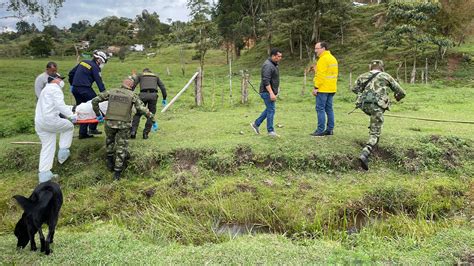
pixel 71 88
pixel 154 128
pixel 164 102
pixel 100 118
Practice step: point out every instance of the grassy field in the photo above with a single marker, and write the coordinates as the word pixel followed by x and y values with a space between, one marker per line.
pixel 206 189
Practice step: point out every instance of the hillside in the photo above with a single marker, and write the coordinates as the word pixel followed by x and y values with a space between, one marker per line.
pixel 206 189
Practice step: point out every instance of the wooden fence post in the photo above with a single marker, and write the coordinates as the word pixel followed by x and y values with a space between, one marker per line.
pixel 245 86
pixel 426 70
pixel 350 78
pixel 303 89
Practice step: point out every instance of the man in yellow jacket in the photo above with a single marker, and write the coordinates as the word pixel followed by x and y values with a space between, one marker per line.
pixel 325 86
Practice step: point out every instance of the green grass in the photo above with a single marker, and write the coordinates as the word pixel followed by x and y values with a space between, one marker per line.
pixel 107 244
pixel 205 168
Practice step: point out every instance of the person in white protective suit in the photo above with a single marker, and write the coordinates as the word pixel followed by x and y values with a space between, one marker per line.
pixel 84 111
pixel 53 116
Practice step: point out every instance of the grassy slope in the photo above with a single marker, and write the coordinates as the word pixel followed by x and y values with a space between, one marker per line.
pixel 206 168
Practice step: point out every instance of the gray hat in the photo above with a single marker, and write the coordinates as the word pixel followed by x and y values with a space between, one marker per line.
pixel 375 63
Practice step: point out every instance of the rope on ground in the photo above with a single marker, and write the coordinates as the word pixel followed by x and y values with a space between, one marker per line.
pixel 26 142
pixel 427 119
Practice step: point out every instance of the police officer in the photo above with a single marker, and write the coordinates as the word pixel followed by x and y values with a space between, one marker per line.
pixel 118 122
pixel 149 95
pixel 372 89
pixel 81 78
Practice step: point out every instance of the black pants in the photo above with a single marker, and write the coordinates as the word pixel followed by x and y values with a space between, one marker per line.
pixel 149 99
pixel 82 95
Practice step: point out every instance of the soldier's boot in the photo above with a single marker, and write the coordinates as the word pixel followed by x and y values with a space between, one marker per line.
pixel 145 135
pixel 110 163
pixel 117 174
pixel 364 157
pixel 364 161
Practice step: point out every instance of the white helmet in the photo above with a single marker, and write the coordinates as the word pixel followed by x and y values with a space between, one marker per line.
pixel 101 56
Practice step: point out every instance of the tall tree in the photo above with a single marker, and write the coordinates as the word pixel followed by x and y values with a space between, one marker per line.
pixel 23 27
pixel 456 19
pixel 200 22
pixel 148 27
pixel 45 9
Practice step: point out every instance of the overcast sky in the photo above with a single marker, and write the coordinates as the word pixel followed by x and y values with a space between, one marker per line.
pixel 93 10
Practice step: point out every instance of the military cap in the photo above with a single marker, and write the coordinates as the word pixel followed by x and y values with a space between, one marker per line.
pixel 379 63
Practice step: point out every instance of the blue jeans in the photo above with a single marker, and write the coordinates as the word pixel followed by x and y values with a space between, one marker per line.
pixel 323 108
pixel 82 95
pixel 269 112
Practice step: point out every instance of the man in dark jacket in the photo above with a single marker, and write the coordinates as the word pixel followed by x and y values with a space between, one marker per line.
pixel 149 95
pixel 81 78
pixel 269 87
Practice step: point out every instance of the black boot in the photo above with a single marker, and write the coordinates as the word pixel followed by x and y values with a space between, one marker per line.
pixel 110 163
pixel 364 161
pixel 145 135
pixel 117 174
pixel 133 135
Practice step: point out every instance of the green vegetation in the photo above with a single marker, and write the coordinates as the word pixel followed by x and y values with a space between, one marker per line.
pixel 205 178
pixel 205 189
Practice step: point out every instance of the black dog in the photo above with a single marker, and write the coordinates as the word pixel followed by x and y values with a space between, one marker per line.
pixel 41 207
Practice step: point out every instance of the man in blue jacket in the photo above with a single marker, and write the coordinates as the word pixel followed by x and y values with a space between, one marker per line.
pixel 81 78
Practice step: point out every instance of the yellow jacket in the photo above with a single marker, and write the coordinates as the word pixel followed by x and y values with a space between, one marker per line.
pixel 325 77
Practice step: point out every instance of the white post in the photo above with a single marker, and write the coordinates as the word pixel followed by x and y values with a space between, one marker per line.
pixel 179 93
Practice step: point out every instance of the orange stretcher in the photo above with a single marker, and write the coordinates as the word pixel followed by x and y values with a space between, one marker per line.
pixel 87 121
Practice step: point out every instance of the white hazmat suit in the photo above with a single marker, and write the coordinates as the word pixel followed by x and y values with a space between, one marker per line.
pixel 48 123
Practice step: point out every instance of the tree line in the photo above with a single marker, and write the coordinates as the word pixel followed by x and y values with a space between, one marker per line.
pixel 232 25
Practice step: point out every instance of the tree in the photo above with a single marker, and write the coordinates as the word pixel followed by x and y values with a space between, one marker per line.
pixel 148 27
pixel 200 12
pixel 45 9
pixel 23 27
pixel 41 46
pixel 52 30
pixel 455 19
pixel 80 27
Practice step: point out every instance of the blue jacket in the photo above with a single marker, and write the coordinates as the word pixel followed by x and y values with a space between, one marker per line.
pixel 85 73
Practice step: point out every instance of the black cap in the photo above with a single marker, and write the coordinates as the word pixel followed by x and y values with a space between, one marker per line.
pixel 54 76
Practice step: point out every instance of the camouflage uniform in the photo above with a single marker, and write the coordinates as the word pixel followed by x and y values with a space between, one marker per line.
pixel 373 100
pixel 117 132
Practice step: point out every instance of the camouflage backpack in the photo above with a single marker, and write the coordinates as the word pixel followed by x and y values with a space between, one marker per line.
pixel 368 95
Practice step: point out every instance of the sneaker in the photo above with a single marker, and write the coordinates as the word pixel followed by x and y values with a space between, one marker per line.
pixel 85 136
pixel 273 134
pixel 145 135
pixel 95 132
pixel 255 128
pixel 316 134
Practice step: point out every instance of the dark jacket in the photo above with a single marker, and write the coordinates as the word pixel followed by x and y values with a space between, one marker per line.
pixel 149 81
pixel 270 76
pixel 85 73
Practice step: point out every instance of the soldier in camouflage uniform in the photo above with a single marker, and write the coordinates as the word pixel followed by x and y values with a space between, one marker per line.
pixel 118 122
pixel 372 89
